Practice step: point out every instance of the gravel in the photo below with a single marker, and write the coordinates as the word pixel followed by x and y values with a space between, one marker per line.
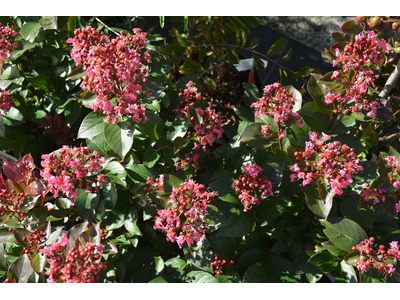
pixel 314 32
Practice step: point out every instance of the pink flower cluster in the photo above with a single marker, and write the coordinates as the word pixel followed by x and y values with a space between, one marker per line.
pixel 360 55
pixel 115 70
pixel 80 265
pixel 184 223
pixel 336 162
pixel 251 185
pixel 71 169
pixel 375 194
pixel 278 104
pixel 190 160
pixel 209 128
pixel 375 258
pixel 154 185
pixel 7 43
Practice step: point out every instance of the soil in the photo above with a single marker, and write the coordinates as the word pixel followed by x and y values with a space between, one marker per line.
pixel 227 95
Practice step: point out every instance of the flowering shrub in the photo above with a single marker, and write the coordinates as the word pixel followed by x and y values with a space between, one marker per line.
pixel 115 71
pixel 119 162
pixel 190 203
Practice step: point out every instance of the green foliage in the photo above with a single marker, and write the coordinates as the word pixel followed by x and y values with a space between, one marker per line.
pixel 296 232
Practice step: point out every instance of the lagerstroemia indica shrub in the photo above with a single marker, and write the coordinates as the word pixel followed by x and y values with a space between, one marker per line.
pixel 116 166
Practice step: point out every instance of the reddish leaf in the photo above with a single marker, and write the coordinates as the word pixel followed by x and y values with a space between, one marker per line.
pixel 51 132
pixel 57 121
pixel 35 187
pixel 12 170
pixel 61 139
pixel 28 161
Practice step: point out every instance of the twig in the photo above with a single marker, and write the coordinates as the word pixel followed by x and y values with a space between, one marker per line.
pixel 389 137
pixel 392 80
pixel 102 23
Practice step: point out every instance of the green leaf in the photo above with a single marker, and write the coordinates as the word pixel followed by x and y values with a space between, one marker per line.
pixel 6 236
pixel 252 256
pixel 277 48
pixel 199 277
pixel 116 172
pixel 19 51
pixel 338 37
pixel 315 118
pixel 224 189
pixel 178 128
pixel 251 93
pixel 140 172
pixel 351 27
pixel 38 262
pixel 258 63
pixel 21 269
pixel 320 207
pixel 76 73
pixel 343 233
pixel 332 83
pixel 351 257
pixel 318 91
pixel 86 203
pixel 321 263
pixel 254 42
pixel 286 57
pixel 120 136
pixel 239 224
pixel 225 246
pixel 241 37
pixel 29 29
pixel 91 126
pixel 171 182
pixel 274 173
pixel 131 217
pixel 259 273
pixel 48 22
pixel 270 209
pixel 116 218
pixel 335 251
pixel 150 157
pixel 74 233
pixel 350 141
pixel 252 136
pixel 13 117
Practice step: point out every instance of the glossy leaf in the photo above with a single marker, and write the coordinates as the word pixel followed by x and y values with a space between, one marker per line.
pixel 239 224
pixel 119 137
pixel 320 207
pixel 258 273
pixel 318 92
pixel 252 136
pixel 130 223
pixel 321 263
pixel 351 27
pixel 315 117
pixel 224 189
pixel 21 269
pixel 91 126
pixel 343 233
pixel 199 277
pixel 277 48
pixel 29 29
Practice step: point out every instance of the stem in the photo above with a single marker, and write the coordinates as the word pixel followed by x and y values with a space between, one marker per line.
pixel 102 23
pixel 392 80
pixel 169 145
pixel 333 121
pixel 252 51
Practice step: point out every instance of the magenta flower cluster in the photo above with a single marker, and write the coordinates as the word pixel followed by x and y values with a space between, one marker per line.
pixel 115 71
pixel 278 104
pixel 335 162
pixel 7 43
pixel 360 56
pixel 184 222
pixel 71 169
pixel 80 265
pixel 375 258
pixel 208 128
pixel 251 185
